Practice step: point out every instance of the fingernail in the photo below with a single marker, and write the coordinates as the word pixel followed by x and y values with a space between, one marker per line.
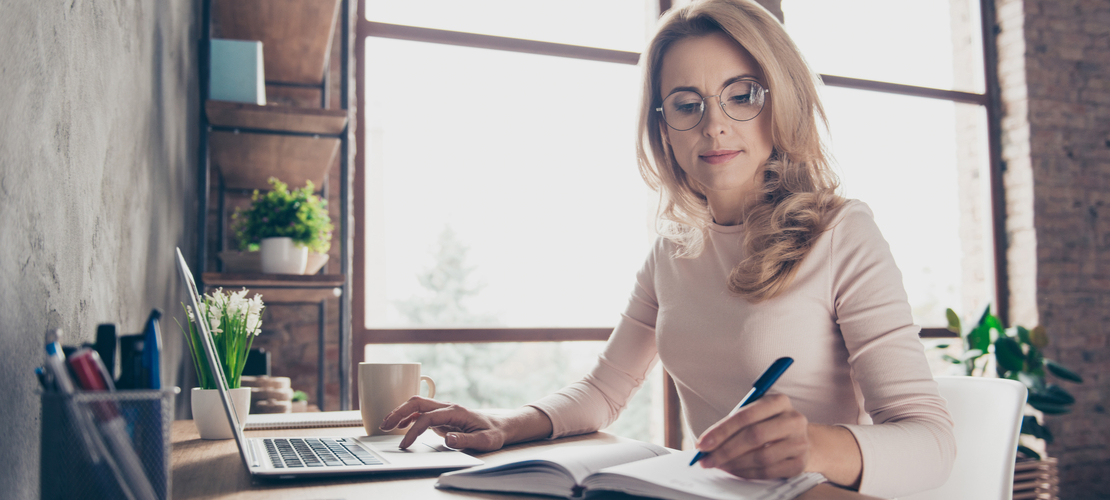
pixel 451 440
pixel 707 443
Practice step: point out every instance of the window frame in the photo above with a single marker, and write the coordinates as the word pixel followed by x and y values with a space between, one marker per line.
pixel 361 335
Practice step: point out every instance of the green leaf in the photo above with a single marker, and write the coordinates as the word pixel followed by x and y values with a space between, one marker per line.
pixel 1059 394
pixel 1039 337
pixel 1034 359
pixel 979 338
pixel 950 359
pixel 1062 372
pixel 1030 426
pixel 982 338
pixel 1047 434
pixel 1022 334
pixel 1049 408
pixel 986 312
pixel 953 321
pixel 993 324
pixel 1029 452
pixel 1046 397
pixel 942 346
pixel 1008 354
pixel 1032 382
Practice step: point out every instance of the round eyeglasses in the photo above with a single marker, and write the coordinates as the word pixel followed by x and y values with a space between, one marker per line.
pixel 741 100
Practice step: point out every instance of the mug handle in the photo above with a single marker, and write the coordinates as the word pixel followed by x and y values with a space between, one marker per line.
pixel 431 386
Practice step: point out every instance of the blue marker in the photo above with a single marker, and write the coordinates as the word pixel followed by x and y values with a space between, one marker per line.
pixel 152 352
pixel 758 390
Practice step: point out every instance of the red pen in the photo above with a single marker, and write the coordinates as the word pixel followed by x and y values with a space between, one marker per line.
pixel 91 373
pixel 93 376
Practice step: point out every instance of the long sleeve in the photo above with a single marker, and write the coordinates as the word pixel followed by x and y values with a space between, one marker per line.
pixel 845 319
pixel 910 447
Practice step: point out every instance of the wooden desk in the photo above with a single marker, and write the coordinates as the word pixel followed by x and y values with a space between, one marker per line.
pixel 213 469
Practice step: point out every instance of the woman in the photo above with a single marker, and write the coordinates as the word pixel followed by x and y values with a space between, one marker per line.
pixel 758 259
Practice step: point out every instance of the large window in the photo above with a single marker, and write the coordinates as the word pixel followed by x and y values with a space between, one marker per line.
pixel 500 202
pixel 510 177
pixel 501 194
pixel 607 24
pixel 919 158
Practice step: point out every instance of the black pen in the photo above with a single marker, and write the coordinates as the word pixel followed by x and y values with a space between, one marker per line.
pixel 44 379
pixel 758 390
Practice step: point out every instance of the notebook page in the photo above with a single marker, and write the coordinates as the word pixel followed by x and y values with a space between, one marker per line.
pixel 680 481
pixel 581 461
pixel 553 472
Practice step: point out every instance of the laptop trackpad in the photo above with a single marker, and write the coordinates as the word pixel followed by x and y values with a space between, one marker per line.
pixel 415 448
pixel 427 443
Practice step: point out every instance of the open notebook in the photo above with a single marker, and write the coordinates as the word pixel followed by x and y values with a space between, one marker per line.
pixel 633 467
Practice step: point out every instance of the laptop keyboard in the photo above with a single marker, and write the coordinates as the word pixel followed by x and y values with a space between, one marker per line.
pixel 323 452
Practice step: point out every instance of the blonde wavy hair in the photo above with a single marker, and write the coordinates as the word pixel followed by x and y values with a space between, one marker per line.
pixel 798 191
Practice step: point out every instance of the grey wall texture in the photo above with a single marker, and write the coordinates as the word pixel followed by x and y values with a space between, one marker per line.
pixel 1054 69
pixel 98 138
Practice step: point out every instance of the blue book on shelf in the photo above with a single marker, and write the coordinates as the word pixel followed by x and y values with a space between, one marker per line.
pixel 236 72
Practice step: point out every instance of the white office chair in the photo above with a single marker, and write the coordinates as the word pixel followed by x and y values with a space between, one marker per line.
pixel 987 414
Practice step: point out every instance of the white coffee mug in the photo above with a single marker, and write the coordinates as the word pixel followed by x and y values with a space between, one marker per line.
pixel 385 386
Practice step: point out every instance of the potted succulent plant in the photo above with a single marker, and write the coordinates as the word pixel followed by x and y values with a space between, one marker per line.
pixel 1017 353
pixel 285 225
pixel 233 322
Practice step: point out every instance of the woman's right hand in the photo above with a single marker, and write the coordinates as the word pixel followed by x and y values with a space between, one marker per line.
pixel 460 427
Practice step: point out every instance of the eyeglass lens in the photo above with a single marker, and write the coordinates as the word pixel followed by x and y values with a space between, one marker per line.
pixel 741 101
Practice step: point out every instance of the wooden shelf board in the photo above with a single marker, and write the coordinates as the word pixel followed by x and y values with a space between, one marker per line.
pixel 285 118
pixel 296 35
pixel 304 97
pixel 248 160
pixel 261 280
pixel 293 295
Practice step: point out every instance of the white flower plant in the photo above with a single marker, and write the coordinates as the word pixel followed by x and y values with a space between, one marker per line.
pixel 233 322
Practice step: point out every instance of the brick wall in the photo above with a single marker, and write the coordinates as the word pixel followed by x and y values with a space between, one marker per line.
pixel 1055 73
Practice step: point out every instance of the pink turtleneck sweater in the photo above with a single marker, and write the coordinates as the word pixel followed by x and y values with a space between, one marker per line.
pixel 845 320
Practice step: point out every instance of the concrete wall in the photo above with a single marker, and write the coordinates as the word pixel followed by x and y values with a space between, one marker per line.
pixel 98 141
pixel 1055 70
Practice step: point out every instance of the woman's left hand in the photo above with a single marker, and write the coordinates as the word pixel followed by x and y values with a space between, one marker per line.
pixel 765 440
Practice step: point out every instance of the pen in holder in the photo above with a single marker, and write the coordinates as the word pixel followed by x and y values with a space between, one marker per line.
pixel 106 445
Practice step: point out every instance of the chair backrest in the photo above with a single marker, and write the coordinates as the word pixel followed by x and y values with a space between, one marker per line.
pixel 987 413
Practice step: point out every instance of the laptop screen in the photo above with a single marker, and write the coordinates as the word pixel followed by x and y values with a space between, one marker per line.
pixel 210 354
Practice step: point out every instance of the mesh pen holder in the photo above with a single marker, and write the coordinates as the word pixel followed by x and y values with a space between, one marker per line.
pixel 106 445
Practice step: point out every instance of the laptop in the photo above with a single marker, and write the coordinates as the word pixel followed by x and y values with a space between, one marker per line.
pixel 293 457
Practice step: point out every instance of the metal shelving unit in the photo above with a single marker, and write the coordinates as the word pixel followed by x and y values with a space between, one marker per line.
pixel 245 144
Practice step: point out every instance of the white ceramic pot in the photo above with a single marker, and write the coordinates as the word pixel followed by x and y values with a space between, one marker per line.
pixel 208 411
pixel 282 256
